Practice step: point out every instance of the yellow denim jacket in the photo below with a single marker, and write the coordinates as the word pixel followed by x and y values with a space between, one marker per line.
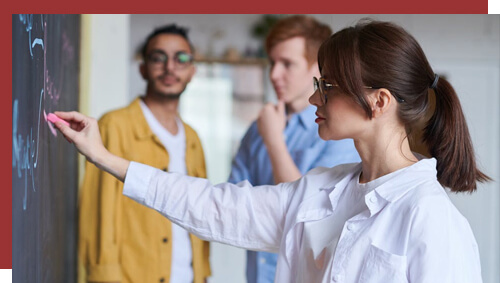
pixel 119 239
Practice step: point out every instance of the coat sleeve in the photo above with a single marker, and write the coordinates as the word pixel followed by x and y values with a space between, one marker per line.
pixel 99 230
pixel 235 214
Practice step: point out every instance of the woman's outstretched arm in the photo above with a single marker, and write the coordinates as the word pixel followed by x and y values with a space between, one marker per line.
pixel 239 215
pixel 83 131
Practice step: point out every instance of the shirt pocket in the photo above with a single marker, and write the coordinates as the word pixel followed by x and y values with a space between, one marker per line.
pixel 380 266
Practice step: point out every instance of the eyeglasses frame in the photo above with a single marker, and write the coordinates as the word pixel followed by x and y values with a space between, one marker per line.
pixel 177 65
pixel 323 94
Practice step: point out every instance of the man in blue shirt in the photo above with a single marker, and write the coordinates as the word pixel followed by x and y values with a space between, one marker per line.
pixel 283 144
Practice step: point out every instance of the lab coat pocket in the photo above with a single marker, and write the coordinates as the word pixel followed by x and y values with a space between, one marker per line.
pixel 380 266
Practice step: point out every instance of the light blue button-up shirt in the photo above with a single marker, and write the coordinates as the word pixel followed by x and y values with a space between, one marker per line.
pixel 308 151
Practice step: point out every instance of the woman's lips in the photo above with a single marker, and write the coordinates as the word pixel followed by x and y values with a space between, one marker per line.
pixel 319 118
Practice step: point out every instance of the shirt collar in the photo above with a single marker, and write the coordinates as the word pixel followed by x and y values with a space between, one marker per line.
pixel 392 190
pixel 322 203
pixel 422 171
pixel 307 116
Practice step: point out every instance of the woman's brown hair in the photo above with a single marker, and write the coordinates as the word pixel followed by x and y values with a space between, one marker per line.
pixel 384 55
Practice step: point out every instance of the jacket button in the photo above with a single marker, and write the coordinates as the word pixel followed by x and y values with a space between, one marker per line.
pixel 165 240
pixel 162 280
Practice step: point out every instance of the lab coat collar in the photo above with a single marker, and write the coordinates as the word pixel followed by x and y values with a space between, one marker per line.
pixel 422 171
pixel 395 188
pixel 322 203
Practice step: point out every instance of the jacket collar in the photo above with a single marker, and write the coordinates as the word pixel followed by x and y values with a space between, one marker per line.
pixel 139 124
pixel 142 131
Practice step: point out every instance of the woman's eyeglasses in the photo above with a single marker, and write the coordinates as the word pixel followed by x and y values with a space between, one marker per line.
pixel 323 87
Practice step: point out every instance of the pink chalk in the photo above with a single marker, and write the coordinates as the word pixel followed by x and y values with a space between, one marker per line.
pixel 53 118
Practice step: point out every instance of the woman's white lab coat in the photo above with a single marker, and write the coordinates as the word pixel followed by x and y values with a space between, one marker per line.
pixel 413 232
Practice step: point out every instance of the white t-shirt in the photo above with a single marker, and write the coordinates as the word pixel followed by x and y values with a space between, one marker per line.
pixel 181 270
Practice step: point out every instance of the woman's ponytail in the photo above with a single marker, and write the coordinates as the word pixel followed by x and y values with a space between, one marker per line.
pixel 448 139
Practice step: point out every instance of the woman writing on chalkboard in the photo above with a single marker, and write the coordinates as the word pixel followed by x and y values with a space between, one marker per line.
pixel 386 219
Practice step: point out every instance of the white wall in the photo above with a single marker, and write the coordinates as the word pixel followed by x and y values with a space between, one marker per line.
pixel 108 53
pixel 464 47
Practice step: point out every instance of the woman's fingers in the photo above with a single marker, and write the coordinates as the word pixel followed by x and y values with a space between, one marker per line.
pixel 72 116
pixel 67 132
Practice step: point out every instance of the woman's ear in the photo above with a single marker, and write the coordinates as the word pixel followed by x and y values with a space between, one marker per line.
pixel 380 101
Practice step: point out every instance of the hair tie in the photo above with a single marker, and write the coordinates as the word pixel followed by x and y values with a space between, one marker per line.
pixel 435 82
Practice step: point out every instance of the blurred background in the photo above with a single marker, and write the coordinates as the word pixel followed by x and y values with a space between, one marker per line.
pixel 231 84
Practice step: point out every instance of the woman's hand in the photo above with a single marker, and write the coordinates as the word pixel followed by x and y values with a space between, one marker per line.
pixel 83 131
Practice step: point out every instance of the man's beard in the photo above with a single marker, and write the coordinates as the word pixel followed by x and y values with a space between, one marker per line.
pixel 169 96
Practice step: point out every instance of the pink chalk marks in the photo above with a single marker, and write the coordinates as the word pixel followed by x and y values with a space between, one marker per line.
pixel 53 86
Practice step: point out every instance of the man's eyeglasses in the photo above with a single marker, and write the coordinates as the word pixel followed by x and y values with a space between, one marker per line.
pixel 158 59
pixel 324 87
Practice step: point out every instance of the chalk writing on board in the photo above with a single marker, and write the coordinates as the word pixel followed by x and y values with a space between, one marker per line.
pixel 25 151
pixel 27 20
pixel 25 146
pixel 44 167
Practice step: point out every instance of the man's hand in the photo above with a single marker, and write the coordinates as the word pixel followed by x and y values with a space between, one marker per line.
pixel 271 123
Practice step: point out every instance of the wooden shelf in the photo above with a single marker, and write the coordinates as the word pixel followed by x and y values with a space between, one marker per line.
pixel 241 61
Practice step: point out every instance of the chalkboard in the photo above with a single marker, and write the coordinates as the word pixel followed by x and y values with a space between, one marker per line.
pixel 45 71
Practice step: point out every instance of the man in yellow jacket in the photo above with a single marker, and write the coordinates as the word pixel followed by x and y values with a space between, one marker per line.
pixel 120 240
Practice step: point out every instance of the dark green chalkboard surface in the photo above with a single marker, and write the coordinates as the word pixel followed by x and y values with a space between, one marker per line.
pixel 45 71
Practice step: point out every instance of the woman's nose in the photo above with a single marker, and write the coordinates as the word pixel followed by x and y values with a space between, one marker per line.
pixel 314 99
